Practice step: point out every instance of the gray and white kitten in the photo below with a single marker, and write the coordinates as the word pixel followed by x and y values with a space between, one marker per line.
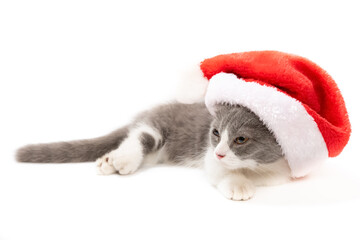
pixel 235 148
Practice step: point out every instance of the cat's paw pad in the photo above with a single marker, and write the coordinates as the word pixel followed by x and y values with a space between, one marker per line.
pixel 237 191
pixel 104 165
pixel 126 162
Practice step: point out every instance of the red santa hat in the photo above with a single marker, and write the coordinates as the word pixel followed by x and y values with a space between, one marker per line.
pixel 296 99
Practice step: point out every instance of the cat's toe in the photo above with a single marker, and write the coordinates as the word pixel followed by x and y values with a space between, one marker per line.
pixel 237 192
pixel 104 166
pixel 243 192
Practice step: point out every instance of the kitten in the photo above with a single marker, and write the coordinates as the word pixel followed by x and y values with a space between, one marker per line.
pixel 235 148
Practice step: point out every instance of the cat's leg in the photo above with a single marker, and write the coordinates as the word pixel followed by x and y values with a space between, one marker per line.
pixel 232 184
pixel 127 158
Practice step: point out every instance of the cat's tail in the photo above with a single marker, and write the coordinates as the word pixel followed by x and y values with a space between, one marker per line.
pixel 74 151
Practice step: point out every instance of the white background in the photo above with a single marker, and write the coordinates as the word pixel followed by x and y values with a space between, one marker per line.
pixel 79 69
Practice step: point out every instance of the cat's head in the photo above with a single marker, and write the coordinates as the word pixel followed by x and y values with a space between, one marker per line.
pixel 241 140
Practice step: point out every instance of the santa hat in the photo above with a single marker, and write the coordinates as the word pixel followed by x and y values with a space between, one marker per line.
pixel 296 99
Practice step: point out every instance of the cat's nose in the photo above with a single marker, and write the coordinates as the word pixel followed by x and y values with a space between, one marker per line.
pixel 219 156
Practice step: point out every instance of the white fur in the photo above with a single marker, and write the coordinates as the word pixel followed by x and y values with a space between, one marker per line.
pixel 128 157
pixel 223 148
pixel 192 86
pixel 239 184
pixel 294 129
pixel 231 184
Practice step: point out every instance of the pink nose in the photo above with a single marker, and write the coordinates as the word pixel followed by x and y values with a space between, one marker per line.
pixel 219 156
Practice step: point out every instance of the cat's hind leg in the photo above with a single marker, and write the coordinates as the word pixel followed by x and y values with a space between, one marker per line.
pixel 128 157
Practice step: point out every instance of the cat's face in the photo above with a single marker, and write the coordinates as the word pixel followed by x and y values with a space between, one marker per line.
pixel 241 140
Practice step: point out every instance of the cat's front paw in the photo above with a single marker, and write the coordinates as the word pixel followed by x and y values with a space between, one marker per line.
pixel 236 190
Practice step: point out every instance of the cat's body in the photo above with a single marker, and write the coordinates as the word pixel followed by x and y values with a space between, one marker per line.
pixel 235 148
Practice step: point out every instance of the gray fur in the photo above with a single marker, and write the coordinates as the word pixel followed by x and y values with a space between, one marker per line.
pixel 240 121
pixel 147 142
pixel 184 130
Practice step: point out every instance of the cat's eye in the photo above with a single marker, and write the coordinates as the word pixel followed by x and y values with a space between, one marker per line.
pixel 216 132
pixel 241 140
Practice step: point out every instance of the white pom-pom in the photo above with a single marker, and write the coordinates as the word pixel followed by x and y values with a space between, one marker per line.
pixel 192 86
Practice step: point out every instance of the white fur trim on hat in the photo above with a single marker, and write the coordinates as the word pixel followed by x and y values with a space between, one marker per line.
pixel 294 129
